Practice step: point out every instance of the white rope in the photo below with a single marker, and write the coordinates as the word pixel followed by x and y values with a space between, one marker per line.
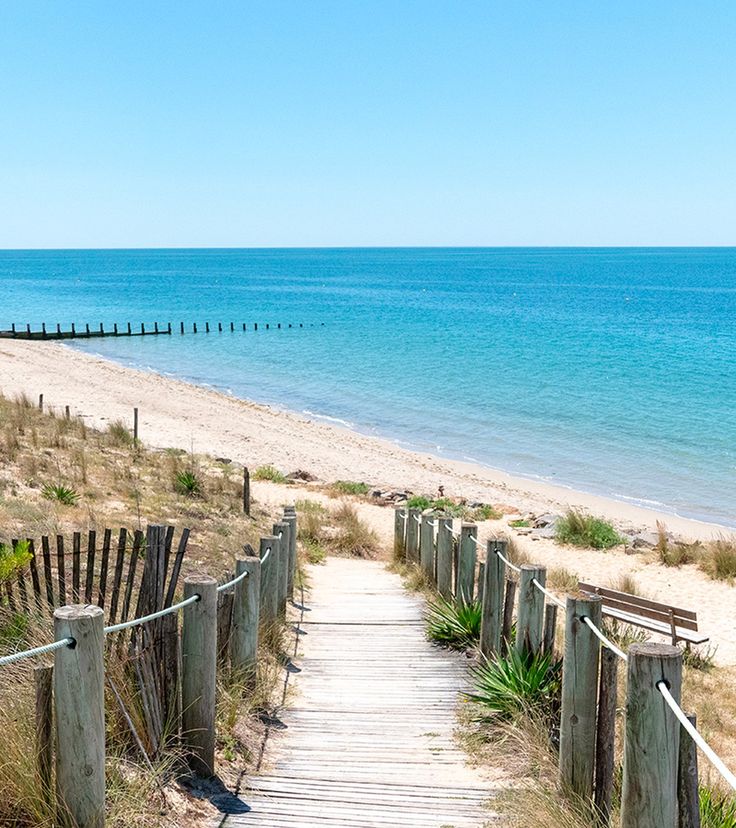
pixel 607 642
pixel 146 618
pixel 432 523
pixel 475 540
pixel 553 598
pixel 418 520
pixel 508 562
pixel 265 557
pixel 232 583
pixel 402 515
pixel 46 648
pixel 716 761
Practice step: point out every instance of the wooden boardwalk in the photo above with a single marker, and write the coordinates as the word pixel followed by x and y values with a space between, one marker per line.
pixel 368 737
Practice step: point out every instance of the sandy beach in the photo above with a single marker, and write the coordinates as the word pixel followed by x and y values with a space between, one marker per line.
pixel 178 414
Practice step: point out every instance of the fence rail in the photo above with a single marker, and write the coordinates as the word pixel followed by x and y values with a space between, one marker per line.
pixel 657 731
pixel 256 594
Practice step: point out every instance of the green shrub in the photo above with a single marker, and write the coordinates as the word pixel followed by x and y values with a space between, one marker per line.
pixel 580 529
pixel 350 487
pixel 518 683
pixel 485 512
pixel 418 502
pixel 700 658
pixel 520 523
pixel 454 625
pixel 60 493
pixel 118 434
pixel 13 558
pixel 269 473
pixel 719 561
pixel 717 810
pixel 675 554
pixel 314 551
pixel 187 483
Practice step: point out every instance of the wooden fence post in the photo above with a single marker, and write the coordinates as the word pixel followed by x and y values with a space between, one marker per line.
pixel 282 587
pixel 399 533
pixel 550 628
pixel 135 425
pixel 444 557
pixel 79 695
pixel 530 616
pixel 269 576
pixel 579 698
pixel 246 491
pixel 291 519
pixel 605 740
pixel 40 402
pixel 687 779
pixel 412 535
pixel 652 741
pixel 508 615
pixel 244 631
pixel 199 669
pixel 43 678
pixel 426 547
pixel 494 578
pixel 467 554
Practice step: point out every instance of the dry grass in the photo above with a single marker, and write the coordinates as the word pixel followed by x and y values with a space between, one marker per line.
pixel 563 579
pixel 719 559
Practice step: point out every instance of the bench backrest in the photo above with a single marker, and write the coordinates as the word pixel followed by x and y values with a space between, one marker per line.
pixel 685 619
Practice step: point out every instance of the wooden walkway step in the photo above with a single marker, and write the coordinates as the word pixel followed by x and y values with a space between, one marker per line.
pixel 368 737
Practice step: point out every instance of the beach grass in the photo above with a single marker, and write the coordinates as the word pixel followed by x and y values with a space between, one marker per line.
pixel 580 529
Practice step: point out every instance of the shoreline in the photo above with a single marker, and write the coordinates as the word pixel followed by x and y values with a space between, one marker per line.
pixel 182 414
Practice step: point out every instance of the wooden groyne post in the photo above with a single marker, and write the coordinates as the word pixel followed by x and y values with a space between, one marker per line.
pixel 467 554
pixel 530 616
pixel 246 614
pixel 494 575
pixel 444 557
pixel 426 547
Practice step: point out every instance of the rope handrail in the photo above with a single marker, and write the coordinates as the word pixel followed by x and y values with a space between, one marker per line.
pixel 265 557
pixel 606 641
pixel 36 651
pixel 134 622
pixel 232 583
pixel 402 516
pixel 418 520
pixel 507 561
pixel 713 757
pixel 546 592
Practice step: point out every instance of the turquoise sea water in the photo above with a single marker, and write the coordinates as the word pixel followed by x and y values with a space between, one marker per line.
pixel 608 370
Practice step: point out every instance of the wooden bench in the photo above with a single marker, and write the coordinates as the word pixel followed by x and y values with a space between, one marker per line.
pixel 679 624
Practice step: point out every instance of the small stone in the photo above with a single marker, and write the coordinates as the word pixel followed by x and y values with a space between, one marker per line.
pixel 224 460
pixel 545 520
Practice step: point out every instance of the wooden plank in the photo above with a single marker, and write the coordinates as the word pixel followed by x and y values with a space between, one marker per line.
pixel 104 563
pixel 90 574
pixel 76 566
pixel 137 543
pixel 176 569
pixel 46 553
pixel 118 574
pixel 60 569
pixel 43 679
pixel 637 601
pixel 34 573
pixel 654 626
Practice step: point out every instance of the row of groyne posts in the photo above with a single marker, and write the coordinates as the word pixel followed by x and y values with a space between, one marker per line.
pixel 660 771
pixel 128 329
pixel 75 696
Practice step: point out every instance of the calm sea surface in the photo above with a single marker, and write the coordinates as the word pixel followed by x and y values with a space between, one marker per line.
pixel 608 370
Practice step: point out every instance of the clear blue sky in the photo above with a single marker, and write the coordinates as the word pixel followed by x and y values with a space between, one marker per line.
pixel 276 123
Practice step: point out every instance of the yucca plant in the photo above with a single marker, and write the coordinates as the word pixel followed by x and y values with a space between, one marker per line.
pixel 454 625
pixel 517 683
pixel 187 483
pixel 61 493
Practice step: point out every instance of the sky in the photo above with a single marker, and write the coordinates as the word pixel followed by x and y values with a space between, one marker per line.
pixel 315 123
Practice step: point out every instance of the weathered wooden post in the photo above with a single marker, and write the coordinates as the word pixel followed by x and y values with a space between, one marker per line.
pixel 130 330
pixel 579 698
pixel 494 578
pixel 466 558
pixel 115 328
pixel 181 328
pixel 14 332
pixel 605 740
pixel 194 327
pixel 688 800
pixel 550 628
pixel 246 491
pixel 426 546
pixel 199 668
pixel 269 570
pixel 155 327
pixel 530 616
pixel 102 329
pixel 244 630
pixel 79 695
pixel 282 530
pixel 143 329
pixel 481 583
pixel 135 425
pixel 40 402
pixel 207 327
pixel 412 535
pixel 232 327
pixel 508 615
pixel 58 330
pixel 67 412
pixel 74 330
pixel 28 330
pixel 43 330
pixel 399 533
pixel 168 328
pixel 652 738
pixel 43 678
pixel 444 557
pixel 290 518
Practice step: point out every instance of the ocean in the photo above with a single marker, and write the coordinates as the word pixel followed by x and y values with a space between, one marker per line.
pixel 612 371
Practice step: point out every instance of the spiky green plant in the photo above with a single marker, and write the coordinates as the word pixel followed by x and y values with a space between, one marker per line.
pixel 13 558
pixel 269 473
pixel 518 683
pixel 716 809
pixel 350 487
pixel 187 483
pixel 454 625
pixel 61 493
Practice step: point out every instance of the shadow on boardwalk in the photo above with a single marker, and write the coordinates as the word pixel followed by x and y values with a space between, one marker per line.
pixel 369 734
